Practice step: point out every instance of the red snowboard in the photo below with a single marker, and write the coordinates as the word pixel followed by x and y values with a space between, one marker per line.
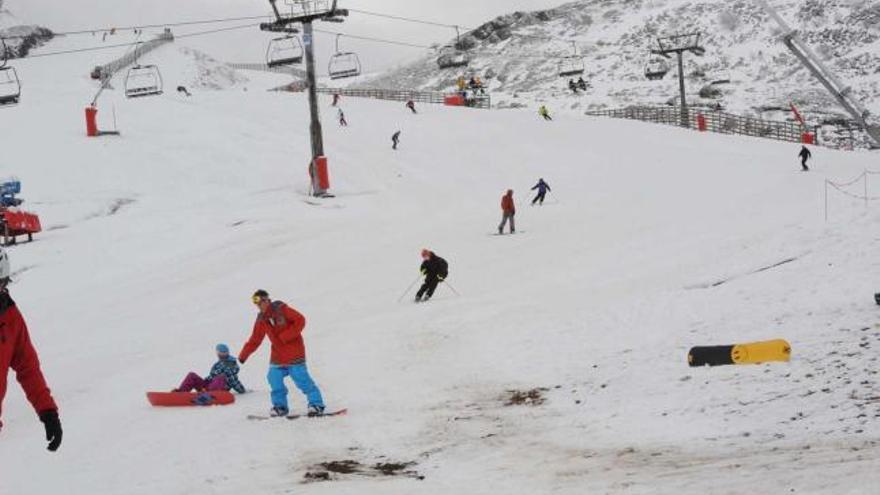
pixel 183 399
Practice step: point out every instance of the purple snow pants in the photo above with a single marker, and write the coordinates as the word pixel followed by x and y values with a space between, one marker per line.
pixel 194 382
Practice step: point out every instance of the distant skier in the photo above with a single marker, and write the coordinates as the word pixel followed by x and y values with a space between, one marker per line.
pixel 395 140
pixel 341 116
pixel 18 353
pixel 435 269
pixel 805 155
pixel 223 375
pixel 182 89
pixel 542 188
pixel 335 99
pixel 508 210
pixel 572 86
pixel 582 84
pixel 411 105
pixel 284 326
pixel 543 112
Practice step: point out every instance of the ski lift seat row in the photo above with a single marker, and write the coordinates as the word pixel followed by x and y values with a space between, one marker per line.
pixel 572 65
pixel 287 50
pixel 10 86
pixel 143 80
pixel 343 64
pixel 656 69
pixel 454 55
pixel 449 59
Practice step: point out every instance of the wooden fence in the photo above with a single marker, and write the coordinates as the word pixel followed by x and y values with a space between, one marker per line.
pixel 434 97
pixel 714 121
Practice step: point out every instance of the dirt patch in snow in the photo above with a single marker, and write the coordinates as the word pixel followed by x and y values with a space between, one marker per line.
pixel 346 469
pixel 533 397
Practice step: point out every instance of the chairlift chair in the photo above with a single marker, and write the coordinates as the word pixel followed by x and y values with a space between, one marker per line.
pixel 287 50
pixel 572 65
pixel 343 64
pixel 656 69
pixel 450 57
pixel 453 55
pixel 143 80
pixel 10 86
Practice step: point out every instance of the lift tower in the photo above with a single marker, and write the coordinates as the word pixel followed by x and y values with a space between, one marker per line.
pixel 841 92
pixel 305 12
pixel 679 44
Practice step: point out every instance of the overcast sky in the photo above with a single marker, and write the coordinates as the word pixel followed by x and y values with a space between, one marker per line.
pixel 250 46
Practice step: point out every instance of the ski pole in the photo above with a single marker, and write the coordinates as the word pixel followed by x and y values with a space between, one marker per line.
pixel 409 288
pixel 451 288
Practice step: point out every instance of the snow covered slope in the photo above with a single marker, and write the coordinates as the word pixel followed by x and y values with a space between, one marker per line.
pixel 518 55
pixel 561 367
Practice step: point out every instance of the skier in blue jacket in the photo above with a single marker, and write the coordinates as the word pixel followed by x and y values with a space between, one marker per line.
pixel 542 188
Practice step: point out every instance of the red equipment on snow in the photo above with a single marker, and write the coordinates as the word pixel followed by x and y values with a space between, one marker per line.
pixel 15 223
pixel 92 123
pixel 454 100
pixel 187 399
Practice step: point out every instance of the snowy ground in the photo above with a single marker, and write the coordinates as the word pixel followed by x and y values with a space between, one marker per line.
pixel 155 240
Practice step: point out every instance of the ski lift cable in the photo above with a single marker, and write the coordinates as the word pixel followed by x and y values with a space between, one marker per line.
pixel 446 25
pixel 128 45
pixel 154 26
pixel 519 55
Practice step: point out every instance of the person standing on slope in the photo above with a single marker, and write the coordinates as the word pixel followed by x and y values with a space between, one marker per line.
pixel 508 210
pixel 341 116
pixel 335 99
pixel 411 105
pixel 542 188
pixel 284 326
pixel 543 112
pixel 435 269
pixel 805 155
pixel 395 140
pixel 18 353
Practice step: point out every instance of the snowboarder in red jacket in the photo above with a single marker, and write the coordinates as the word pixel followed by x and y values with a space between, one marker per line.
pixel 284 326
pixel 18 353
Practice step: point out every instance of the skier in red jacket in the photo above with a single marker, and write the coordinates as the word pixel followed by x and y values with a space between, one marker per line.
pixel 18 353
pixel 508 209
pixel 284 326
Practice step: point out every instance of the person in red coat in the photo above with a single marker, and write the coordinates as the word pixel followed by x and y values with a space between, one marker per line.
pixel 284 326
pixel 18 353
pixel 508 209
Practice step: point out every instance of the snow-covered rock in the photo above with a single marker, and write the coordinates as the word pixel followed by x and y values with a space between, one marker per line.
pixel 518 55
pixel 20 38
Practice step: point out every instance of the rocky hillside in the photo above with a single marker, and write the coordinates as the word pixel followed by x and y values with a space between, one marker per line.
pixel 519 55
pixel 20 38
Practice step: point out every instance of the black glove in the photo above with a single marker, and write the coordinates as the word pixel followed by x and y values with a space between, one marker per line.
pixel 53 429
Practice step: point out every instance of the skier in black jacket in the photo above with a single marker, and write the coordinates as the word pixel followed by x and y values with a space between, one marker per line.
pixel 435 269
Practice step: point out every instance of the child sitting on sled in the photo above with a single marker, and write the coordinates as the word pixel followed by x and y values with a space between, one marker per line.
pixel 223 375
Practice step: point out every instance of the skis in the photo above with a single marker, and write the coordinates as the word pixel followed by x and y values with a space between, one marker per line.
pixel 259 417
pixel 496 234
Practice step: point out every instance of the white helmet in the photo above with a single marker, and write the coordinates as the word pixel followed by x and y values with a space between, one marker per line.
pixel 4 265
